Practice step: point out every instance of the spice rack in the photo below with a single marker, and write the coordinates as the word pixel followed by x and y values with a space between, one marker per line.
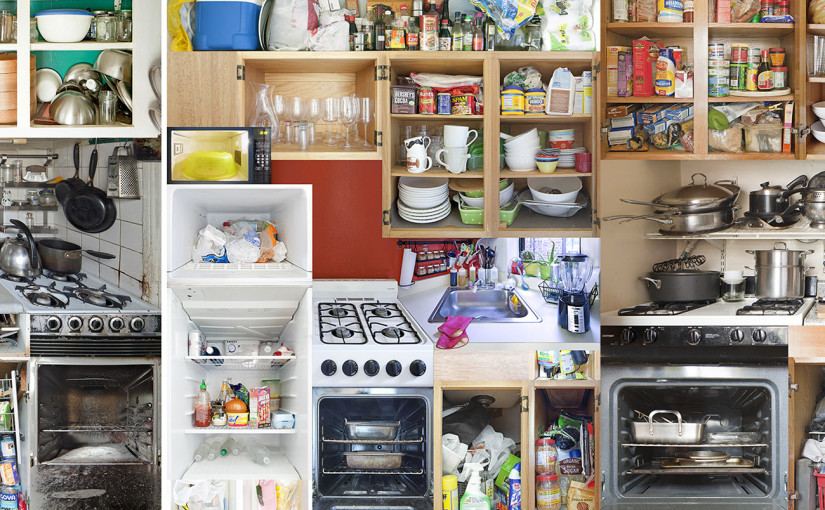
pixel 439 262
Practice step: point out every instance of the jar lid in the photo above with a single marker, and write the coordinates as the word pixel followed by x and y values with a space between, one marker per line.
pixel 547 478
pixel 513 88
pixel 541 90
pixel 546 441
pixel 777 50
pixel 780 69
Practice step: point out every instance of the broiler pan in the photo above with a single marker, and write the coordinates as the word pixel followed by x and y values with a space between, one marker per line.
pixel 649 432
pixel 378 430
pixel 373 460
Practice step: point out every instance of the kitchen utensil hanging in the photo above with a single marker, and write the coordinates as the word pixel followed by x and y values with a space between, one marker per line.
pixel 65 187
pixel 680 264
pixel 88 208
pixel 123 176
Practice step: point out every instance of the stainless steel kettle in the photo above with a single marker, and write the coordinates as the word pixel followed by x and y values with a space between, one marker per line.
pixel 19 256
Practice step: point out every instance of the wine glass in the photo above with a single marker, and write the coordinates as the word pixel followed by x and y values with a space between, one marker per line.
pixel 295 110
pixel 331 109
pixel 262 113
pixel 366 115
pixel 314 110
pixel 348 116
pixel 279 107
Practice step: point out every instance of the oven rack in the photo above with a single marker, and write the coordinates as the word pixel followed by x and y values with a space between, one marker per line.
pixel 656 470
pixel 373 441
pixel 100 428
pixel 344 470
pixel 242 362
pixel 726 445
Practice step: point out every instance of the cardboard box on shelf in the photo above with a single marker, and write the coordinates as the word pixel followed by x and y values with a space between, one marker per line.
pixel 645 55
pixel 613 67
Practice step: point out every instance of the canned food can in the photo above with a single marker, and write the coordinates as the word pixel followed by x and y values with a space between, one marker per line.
pixel 9 498
pixel 360 41
pixel 780 77
pixel 716 51
pixel 426 101
pixel 750 78
pixel 737 76
pixel 754 56
pixel 718 80
pixel 738 53
pixel 8 473
pixel 719 91
pixel 7 447
pixel 719 71
pixel 444 103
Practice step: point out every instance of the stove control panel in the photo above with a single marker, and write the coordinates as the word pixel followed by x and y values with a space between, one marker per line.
pixel 81 325
pixel 374 369
pixel 710 336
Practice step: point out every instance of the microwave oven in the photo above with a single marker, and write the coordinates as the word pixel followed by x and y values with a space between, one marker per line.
pixel 219 155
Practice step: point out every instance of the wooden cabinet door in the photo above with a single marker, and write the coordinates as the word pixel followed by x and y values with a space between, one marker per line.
pixel 204 89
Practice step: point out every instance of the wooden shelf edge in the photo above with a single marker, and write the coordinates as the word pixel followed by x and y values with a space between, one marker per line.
pixel 331 155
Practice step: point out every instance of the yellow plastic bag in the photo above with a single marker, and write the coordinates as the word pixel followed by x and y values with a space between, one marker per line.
pixel 180 41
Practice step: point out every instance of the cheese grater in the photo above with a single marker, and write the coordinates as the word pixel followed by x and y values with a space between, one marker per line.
pixel 124 181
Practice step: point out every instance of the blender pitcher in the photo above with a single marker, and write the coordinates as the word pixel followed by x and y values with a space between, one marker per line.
pixel 574 304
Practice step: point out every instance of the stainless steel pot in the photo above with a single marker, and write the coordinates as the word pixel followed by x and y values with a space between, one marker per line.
pixel 814 211
pixel 695 197
pixel 775 199
pixel 65 257
pixel 19 256
pixel 667 433
pixel 780 272
pixel 687 223
pixel 682 286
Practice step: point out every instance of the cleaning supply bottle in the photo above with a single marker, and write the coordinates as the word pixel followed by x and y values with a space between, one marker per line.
pixel 203 407
pixel 474 498
pixel 514 494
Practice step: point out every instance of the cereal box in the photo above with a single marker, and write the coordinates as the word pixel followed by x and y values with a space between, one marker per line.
pixel 259 408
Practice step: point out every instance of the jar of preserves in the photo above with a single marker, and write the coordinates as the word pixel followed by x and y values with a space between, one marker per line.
pixel 548 492
pixel 546 456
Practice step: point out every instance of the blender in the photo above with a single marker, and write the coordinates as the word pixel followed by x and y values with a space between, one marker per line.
pixel 574 303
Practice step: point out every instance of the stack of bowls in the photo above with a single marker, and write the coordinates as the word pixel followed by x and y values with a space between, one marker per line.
pixel 423 199
pixel 520 151
pixel 547 159
pixel 818 127
pixel 558 190
pixel 476 199
pixel 561 138
pixel 567 157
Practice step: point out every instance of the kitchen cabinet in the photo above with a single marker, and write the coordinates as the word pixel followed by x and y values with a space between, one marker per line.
pixel 806 378
pixel 694 39
pixel 145 49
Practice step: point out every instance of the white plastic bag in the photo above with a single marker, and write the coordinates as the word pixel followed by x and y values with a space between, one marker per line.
pixel 332 37
pixel 210 241
pixel 279 252
pixel 453 452
pixel 291 23
pixel 202 494
pixel 497 446
pixel 568 26
pixel 243 249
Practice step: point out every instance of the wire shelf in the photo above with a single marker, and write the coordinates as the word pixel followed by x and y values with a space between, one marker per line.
pixel 343 470
pixel 226 429
pixel 242 362
pixel 237 266
pixel 372 441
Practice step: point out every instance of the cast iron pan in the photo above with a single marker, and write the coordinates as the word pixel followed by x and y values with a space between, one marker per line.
pixel 65 187
pixel 88 208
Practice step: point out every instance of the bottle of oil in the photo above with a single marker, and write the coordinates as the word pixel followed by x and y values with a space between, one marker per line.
pixel 764 75
pixel 458 33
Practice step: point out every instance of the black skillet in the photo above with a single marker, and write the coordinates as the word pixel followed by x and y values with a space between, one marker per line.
pixel 88 208
pixel 65 187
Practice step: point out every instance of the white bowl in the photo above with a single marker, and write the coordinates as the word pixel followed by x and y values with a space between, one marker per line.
pixel 64 25
pixel 555 211
pixel 819 109
pixel 569 187
pixel 48 81
pixel 818 130
pixel 520 163
pixel 523 137
pixel 530 149
pixel 506 195
pixel 473 202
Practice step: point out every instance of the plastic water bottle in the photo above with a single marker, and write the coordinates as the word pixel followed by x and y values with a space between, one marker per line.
pixel 207 450
pixel 260 454
pixel 229 446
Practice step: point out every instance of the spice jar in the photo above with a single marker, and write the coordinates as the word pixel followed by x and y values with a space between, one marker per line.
pixel 548 492
pixel 782 8
pixel 546 456
pixel 33 197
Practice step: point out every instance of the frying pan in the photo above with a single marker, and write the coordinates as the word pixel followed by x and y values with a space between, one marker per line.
pixel 88 208
pixel 64 188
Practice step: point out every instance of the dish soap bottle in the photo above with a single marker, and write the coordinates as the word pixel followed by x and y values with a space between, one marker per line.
pixel 474 498
pixel 202 407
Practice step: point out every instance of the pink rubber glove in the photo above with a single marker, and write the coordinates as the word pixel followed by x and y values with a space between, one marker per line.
pixel 454 332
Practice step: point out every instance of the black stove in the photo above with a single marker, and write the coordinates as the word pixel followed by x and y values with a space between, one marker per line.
pixel 665 308
pixel 772 307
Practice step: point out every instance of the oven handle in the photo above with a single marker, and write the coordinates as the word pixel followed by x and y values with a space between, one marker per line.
pixel 678 419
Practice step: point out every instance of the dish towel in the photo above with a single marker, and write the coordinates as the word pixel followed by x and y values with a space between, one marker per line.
pixel 454 332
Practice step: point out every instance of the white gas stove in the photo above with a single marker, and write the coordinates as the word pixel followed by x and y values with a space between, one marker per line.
pixel 363 337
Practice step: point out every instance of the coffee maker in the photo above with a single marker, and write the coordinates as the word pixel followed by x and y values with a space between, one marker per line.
pixel 574 303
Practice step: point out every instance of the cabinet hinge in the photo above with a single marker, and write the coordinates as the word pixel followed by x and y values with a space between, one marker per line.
pixel 382 73
pixel 241 72
pixel 597 400
pixel 524 404
pixel 791 385
pixel 596 220
pixel 378 138
pixel 793 496
pixel 385 217
pixel 801 132
pixel 603 130
pixel 597 68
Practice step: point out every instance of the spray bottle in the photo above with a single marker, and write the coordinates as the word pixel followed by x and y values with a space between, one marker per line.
pixel 474 498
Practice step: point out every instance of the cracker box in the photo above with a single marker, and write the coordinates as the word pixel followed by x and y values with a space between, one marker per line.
pixel 624 86
pixel 613 67
pixel 260 412
pixel 621 110
pixel 679 112
pixel 645 55
pixel 723 11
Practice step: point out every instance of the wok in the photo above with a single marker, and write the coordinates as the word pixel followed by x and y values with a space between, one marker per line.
pixel 694 197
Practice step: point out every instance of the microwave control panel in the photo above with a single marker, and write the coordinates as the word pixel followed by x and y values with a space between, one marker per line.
pixel 262 155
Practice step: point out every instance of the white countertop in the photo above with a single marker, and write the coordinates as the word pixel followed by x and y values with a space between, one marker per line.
pixel 421 298
pixel 9 303
pixel 812 320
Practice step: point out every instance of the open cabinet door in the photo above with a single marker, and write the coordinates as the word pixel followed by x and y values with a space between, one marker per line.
pixel 205 89
pixel 596 134
pixel 792 398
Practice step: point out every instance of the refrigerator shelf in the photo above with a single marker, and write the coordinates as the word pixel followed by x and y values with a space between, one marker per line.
pixel 241 467
pixel 226 429
pixel 242 362
pixel 101 428
pixel 726 445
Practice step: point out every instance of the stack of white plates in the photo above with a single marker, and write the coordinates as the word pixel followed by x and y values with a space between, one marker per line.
pixel 423 199
pixel 567 159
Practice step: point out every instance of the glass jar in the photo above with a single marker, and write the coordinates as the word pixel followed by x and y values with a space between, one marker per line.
pixel 34 35
pixel 6 26
pixel 7 173
pixel 106 28
pixel 124 26
pixel 548 492
pixel 107 107
pixel 32 197
pixel 733 290
pixel 18 170
pixel 546 456
pixel 30 221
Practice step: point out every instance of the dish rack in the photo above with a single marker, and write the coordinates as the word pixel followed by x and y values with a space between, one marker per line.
pixel 551 292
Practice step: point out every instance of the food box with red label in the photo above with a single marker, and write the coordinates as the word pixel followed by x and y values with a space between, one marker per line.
pixel 260 412
pixel 645 55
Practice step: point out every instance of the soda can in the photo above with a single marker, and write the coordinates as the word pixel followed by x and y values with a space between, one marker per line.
pixel 8 473
pixel 444 103
pixel 9 498
pixel 7 448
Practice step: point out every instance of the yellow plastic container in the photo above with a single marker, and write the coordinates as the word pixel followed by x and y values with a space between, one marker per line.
pixel 210 166
pixel 449 492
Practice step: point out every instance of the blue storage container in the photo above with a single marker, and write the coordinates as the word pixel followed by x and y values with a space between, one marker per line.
pixel 226 25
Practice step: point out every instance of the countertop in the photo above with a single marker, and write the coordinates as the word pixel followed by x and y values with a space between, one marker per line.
pixel 812 320
pixel 9 303
pixel 421 298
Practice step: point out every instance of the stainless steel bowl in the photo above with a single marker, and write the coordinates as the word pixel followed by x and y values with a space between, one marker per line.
pixel 72 108
pixel 116 64
pixel 81 72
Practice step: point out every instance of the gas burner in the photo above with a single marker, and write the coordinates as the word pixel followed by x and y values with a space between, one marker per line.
pixel 65 277
pixel 400 333
pixel 42 295
pixel 17 279
pixel 338 311
pixel 381 310
pixel 342 332
pixel 392 332
pixel 665 308
pixel 98 297
pixel 339 324
pixel 771 307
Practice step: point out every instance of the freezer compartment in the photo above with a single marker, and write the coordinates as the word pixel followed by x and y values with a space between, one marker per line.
pixel 96 414
pixel 401 467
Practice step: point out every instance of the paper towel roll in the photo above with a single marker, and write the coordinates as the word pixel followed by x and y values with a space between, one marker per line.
pixel 407 268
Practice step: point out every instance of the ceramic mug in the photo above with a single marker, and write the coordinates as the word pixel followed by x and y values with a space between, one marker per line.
pixel 456 136
pixel 417 159
pixel 423 141
pixel 455 160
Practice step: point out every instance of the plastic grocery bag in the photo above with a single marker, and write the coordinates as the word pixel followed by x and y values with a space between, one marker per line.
pixel 179 24
pixel 453 452
pixel 291 23
pixel 332 37
pixel 568 26
pixel 508 14
pixel 268 243
pixel 498 447
pixel 468 421
pixel 211 242
pixel 243 249
pixel 203 495
pixel 813 450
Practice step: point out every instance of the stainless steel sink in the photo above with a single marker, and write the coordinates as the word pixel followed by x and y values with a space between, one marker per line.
pixel 486 305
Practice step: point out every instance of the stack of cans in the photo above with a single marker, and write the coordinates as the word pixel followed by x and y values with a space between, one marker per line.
pixel 9 476
pixel 738 66
pixel 718 71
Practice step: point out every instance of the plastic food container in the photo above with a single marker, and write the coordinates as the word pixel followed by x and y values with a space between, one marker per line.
pixel 210 166
pixel 237 420
pixel 226 25
pixel 763 138
pixel 476 162
pixel 64 25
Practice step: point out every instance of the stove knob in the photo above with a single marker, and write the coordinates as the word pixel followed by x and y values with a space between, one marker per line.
pixel 137 324
pixel 53 323
pixel 759 335
pixel 95 324
pixel 694 336
pixel 394 368
pixel 328 367
pixel 418 368
pixel 627 335
pixel 371 368
pixel 651 334
pixel 350 368
pixel 116 323
pixel 75 323
pixel 737 335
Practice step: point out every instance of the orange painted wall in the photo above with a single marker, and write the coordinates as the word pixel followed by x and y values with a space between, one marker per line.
pixel 346 226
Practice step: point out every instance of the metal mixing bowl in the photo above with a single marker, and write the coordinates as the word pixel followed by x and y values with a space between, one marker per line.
pixel 71 108
pixel 116 64
pixel 81 72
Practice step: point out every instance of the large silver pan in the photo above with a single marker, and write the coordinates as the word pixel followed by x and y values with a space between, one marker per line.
pixel 687 223
pixel 649 432
pixel 695 197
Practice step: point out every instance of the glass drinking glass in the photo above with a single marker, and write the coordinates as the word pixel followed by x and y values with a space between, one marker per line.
pixel 295 110
pixel 263 113
pixel 314 110
pixel 350 107
pixel 366 115
pixel 6 26
pixel 331 109
pixel 279 108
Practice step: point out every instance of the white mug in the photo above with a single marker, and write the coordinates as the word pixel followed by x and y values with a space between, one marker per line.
pixel 456 136
pixel 423 141
pixel 456 159
pixel 417 159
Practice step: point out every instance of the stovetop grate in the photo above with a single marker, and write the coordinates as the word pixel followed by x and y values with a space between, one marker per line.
pixel 772 307
pixel 388 324
pixel 665 308
pixel 339 324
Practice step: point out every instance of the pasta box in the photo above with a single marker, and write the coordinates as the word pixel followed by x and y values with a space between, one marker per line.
pixel 645 55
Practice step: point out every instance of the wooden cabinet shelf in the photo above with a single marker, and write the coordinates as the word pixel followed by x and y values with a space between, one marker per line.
pixel 560 172
pixel 651 29
pixel 324 153
pixel 743 99
pixel 649 99
pixel 400 171
pixel 745 30
pixel 545 119
pixel 427 117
